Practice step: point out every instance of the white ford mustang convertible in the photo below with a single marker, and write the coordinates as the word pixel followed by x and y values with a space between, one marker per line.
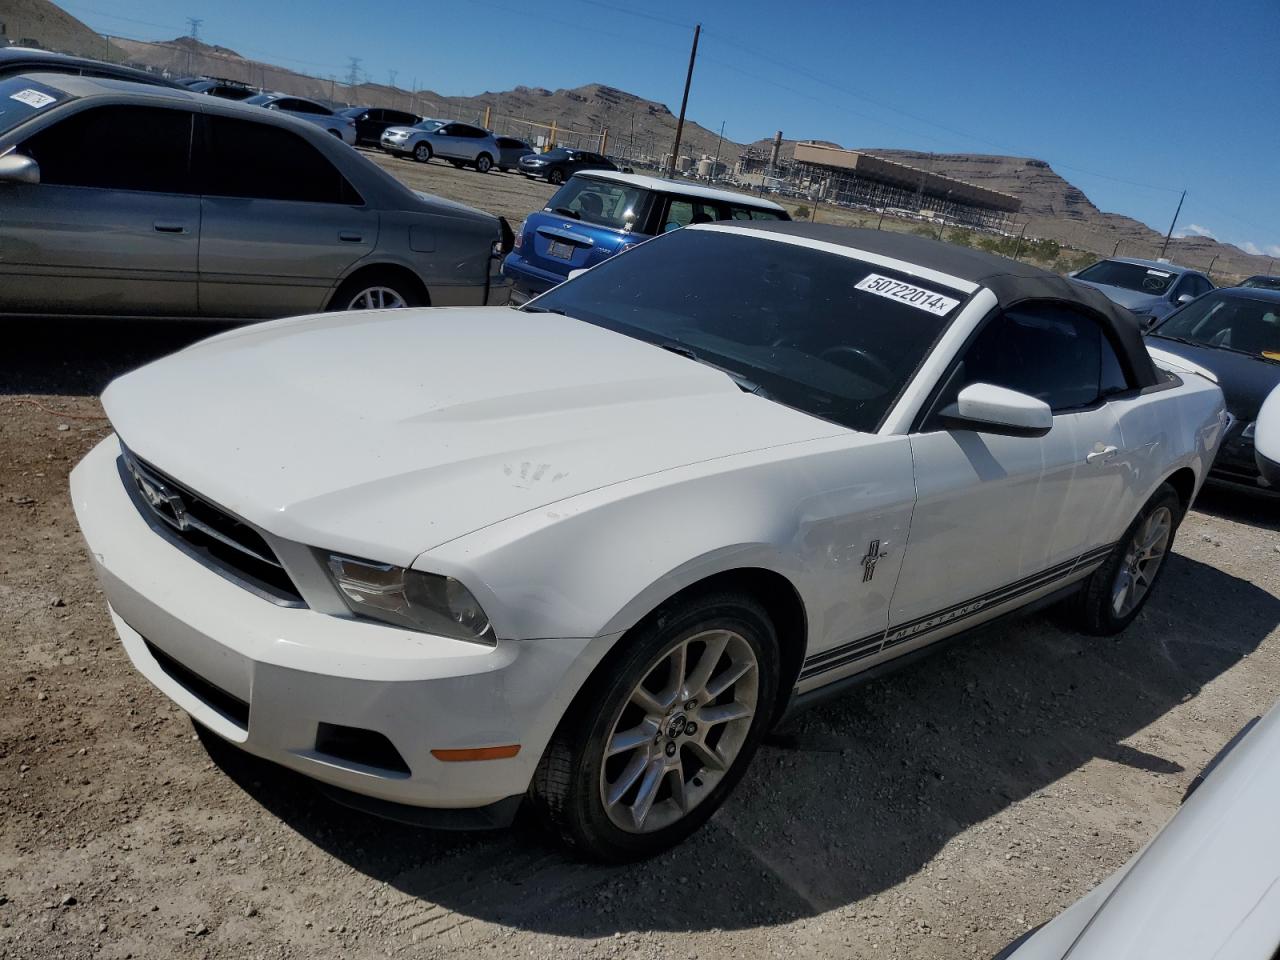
pixel 587 552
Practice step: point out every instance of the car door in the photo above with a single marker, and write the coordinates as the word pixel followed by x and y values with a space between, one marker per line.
pixel 445 142
pixel 1001 520
pixel 113 226
pixel 277 231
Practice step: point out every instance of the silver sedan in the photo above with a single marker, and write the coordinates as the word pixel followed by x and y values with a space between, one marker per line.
pixel 461 144
pixel 204 207
pixel 342 127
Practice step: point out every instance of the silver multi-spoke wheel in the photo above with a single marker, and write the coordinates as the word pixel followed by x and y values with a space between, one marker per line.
pixel 376 298
pixel 1142 559
pixel 680 730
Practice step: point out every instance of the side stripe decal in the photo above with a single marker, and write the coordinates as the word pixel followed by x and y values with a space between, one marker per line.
pixel 867 646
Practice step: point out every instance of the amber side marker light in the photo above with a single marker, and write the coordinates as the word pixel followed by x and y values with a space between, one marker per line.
pixel 477 753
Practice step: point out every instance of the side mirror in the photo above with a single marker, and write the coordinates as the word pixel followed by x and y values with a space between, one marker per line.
pixel 1185 298
pixel 986 408
pixel 18 168
pixel 577 273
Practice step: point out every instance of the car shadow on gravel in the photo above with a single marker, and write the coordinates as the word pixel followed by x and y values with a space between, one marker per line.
pixel 1242 506
pixel 79 357
pixel 850 799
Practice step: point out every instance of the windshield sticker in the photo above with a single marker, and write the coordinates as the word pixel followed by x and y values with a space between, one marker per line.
pixel 32 98
pixel 912 296
pixel 1159 273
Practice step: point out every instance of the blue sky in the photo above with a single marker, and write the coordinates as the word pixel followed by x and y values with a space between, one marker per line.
pixel 1130 100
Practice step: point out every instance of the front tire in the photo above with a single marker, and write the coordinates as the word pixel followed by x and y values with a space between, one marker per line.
pixel 422 152
pixel 1116 592
pixel 484 163
pixel 555 177
pixel 661 735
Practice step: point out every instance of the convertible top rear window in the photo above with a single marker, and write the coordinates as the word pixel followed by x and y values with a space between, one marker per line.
pixel 821 332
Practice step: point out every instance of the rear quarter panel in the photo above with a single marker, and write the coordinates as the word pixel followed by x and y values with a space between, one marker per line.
pixel 1164 431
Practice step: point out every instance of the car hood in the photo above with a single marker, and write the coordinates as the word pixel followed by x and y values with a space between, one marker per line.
pixel 1245 380
pixel 386 433
pixel 1134 300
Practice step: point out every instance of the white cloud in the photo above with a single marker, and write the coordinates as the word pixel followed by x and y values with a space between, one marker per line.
pixel 1195 230
pixel 1248 246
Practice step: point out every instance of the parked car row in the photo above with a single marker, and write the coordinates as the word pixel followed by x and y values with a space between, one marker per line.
pixel 461 144
pixel 1230 335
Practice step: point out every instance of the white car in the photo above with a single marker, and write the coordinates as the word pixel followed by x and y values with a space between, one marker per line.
pixel 588 551
pixel 462 144
pixel 1207 887
pixel 1266 443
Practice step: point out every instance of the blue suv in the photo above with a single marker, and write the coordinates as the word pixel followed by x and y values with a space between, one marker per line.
pixel 599 213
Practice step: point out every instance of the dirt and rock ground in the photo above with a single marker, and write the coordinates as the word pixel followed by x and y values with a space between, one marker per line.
pixel 937 812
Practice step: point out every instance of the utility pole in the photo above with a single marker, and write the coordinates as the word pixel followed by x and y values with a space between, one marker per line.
pixel 1209 272
pixel 1168 235
pixel 715 164
pixel 684 102
pixel 193 24
pixel 1117 246
pixel 1021 233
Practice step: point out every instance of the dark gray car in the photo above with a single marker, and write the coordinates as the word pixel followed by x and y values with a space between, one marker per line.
pixel 125 200
pixel 1151 289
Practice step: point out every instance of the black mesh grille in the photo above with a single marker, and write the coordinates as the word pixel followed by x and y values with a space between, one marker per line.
pixel 206 532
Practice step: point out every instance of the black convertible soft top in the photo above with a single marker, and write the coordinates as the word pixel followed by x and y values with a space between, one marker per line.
pixel 1010 280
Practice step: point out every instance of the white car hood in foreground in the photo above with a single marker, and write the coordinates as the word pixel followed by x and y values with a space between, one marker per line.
pixel 1206 888
pixel 387 433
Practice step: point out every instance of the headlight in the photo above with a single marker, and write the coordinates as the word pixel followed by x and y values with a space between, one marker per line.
pixel 409 598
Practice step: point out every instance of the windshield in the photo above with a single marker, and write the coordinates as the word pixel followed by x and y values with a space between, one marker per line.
pixel 598 201
pixel 1263 283
pixel 22 98
pixel 824 333
pixel 427 125
pixel 262 99
pixel 1228 323
pixel 1129 276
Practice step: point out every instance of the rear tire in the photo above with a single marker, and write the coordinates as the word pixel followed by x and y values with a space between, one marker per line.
pixel 484 163
pixel 663 731
pixel 1116 592
pixel 422 152
pixel 555 177
pixel 376 290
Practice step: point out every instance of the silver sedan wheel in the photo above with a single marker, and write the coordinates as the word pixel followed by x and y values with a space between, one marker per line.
pixel 376 298
pixel 1142 559
pixel 680 731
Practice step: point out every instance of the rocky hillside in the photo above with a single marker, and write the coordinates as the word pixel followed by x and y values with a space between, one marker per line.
pixel 1056 209
pixel 52 28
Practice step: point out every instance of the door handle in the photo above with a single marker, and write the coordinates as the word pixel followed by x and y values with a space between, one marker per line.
pixel 169 226
pixel 1101 455
pixel 348 236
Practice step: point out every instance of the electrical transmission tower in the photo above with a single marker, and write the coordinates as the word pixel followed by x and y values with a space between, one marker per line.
pixel 353 72
pixel 193 23
pixel 393 78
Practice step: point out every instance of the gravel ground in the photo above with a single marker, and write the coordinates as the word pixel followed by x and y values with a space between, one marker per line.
pixel 937 812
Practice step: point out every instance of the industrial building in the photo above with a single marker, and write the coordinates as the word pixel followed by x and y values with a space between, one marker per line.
pixel 837 175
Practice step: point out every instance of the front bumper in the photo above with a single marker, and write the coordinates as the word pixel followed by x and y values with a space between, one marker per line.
pixel 270 678
pixel 395 146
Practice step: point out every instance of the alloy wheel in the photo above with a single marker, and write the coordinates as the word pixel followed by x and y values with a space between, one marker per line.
pixel 680 731
pixel 376 298
pixel 1142 559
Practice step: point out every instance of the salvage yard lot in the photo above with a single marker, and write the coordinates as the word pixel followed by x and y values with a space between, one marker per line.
pixel 937 812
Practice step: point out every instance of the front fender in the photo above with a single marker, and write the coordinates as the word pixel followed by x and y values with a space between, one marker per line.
pixel 597 563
